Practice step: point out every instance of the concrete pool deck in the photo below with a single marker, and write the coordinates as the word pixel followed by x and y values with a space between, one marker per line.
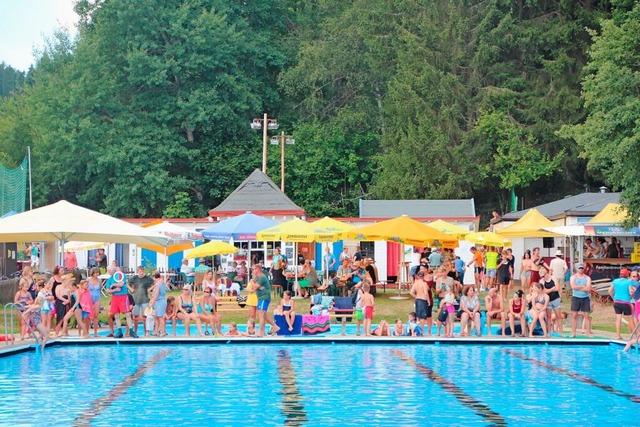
pixel 30 345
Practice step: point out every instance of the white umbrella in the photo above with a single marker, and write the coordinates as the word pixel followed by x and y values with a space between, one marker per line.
pixel 64 221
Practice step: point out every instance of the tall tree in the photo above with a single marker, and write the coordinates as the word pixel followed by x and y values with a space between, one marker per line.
pixel 610 135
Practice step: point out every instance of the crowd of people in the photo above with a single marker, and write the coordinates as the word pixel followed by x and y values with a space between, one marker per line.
pixel 437 288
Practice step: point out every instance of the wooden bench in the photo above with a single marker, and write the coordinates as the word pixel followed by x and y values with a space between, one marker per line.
pixel 229 304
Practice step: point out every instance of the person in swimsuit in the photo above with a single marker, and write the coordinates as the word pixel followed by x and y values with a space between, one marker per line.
pixel 525 270
pixel 516 312
pixel 44 290
pixel 382 330
pixel 470 306
pixel 538 310
pixel 33 317
pixel 63 303
pixel 368 303
pixel 398 328
pixel 622 290
pixel 495 310
pixel 171 314
pixel 554 309
pixel 22 300
pixel 186 310
pixel 285 308
pixel 208 314
pixel 158 301
pixel 95 289
pixel 252 300
pixel 233 330
pixel 423 301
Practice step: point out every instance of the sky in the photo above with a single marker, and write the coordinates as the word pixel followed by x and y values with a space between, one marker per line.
pixel 24 25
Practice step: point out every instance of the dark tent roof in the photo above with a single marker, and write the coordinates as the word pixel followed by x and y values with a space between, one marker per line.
pixel 258 194
pixel 584 204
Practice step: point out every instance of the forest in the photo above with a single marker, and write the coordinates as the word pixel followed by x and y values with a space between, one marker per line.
pixel 146 112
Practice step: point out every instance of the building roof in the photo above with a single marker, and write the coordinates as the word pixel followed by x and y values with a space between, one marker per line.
pixel 584 205
pixel 450 209
pixel 258 194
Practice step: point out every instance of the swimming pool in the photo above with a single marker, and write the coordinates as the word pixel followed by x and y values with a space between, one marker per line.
pixel 320 384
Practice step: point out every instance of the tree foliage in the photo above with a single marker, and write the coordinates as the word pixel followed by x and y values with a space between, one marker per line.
pixel 147 112
pixel 610 135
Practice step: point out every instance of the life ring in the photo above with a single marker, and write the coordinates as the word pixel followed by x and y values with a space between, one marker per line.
pixel 118 276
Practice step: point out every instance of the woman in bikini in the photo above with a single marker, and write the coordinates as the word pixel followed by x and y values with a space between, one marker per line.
pixel 382 330
pixel 22 300
pixel 538 310
pixel 186 310
pixel 208 314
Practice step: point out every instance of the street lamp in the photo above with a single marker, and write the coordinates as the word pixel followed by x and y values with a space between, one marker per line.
pixel 264 124
pixel 283 139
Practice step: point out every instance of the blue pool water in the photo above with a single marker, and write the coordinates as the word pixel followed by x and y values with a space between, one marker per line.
pixel 336 329
pixel 321 384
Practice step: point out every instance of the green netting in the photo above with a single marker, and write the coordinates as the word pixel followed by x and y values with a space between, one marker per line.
pixel 13 188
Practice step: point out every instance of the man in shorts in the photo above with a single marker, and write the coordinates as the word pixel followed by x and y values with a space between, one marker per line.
pixel 264 298
pixel 580 300
pixel 139 286
pixel 423 302
pixel 491 265
pixel 495 309
pixel 119 301
pixel 34 251
pixel 478 269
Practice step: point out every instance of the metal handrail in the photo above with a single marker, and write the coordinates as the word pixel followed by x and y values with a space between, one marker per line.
pixel 7 307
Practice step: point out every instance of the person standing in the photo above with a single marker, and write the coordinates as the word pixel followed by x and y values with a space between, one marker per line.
pixel 278 255
pixel 435 259
pixel 622 290
pixel 345 255
pixel 478 268
pixel 368 303
pixel 423 302
pixel 70 261
pixel 558 267
pixel 101 259
pixel 34 252
pixel 580 299
pixel 158 301
pixel 503 274
pixel 554 309
pixel 329 262
pixel 119 301
pixel 263 290
pixel 95 288
pixel 491 265
pixel 140 285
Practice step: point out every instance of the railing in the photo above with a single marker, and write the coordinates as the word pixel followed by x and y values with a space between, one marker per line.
pixel 8 313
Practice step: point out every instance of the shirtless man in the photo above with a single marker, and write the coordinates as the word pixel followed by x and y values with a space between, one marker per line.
pixel 424 302
pixel 495 309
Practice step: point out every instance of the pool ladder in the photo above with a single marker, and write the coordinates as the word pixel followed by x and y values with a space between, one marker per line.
pixel 635 330
pixel 8 313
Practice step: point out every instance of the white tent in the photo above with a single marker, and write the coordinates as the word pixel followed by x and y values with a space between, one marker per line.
pixel 64 221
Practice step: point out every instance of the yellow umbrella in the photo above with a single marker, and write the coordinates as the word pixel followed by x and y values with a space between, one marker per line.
pixel 215 247
pixel 404 230
pixel 339 229
pixel 295 230
pixel 487 238
pixel 447 227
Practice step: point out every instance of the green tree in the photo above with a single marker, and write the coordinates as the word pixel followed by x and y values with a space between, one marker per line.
pixel 610 135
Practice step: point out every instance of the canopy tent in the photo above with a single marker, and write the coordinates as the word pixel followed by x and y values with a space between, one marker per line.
pixel 487 238
pixel 180 238
pixel 339 229
pixel 295 230
pixel 241 227
pixel 64 221
pixel 613 213
pixel 83 246
pixel 452 229
pixel 214 247
pixel 405 230
pixel 532 224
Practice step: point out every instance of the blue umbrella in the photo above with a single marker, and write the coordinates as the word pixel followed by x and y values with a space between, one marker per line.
pixel 241 227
